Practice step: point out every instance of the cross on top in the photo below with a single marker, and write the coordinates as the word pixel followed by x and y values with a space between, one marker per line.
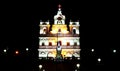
pixel 59 6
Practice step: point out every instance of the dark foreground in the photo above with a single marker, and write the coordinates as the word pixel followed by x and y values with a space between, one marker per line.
pixel 32 64
pixel 66 65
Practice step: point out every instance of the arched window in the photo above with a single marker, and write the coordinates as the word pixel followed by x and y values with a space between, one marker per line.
pixel 43 44
pixel 59 22
pixel 59 18
pixel 74 23
pixel 44 30
pixel 74 31
pixel 60 42
pixel 44 23
pixel 50 43
pixel 75 43
pixel 59 30
pixel 68 43
pixel 42 52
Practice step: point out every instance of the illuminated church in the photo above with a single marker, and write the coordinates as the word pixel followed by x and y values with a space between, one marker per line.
pixel 50 35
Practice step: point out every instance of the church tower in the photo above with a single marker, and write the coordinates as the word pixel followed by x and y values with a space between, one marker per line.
pixel 59 18
pixel 59 25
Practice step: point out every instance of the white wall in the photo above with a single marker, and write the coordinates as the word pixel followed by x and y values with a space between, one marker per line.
pixel 63 39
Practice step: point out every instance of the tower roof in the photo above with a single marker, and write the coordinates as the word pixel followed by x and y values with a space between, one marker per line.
pixel 59 18
pixel 59 7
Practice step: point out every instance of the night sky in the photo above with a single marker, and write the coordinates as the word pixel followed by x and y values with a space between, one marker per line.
pixel 99 31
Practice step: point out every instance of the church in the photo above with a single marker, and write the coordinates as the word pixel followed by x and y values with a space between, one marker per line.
pixel 68 36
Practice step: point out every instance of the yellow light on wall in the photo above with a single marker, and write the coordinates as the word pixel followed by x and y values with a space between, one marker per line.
pixel 64 31
pixel 55 29
pixel 63 53
pixel 53 32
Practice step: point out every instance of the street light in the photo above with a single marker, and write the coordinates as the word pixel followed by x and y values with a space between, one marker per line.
pixel 114 51
pixel 75 69
pixel 40 66
pixel 5 50
pixel 27 49
pixel 78 65
pixel 92 50
pixel 99 60
pixel 16 52
pixel 78 58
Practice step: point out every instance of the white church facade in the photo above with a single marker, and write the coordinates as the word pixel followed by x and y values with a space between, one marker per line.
pixel 69 39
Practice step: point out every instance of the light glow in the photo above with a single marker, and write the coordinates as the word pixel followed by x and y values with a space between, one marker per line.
pixel 5 50
pixel 27 49
pixel 99 60
pixel 40 66
pixel 114 51
pixel 55 29
pixel 92 50
pixel 78 65
pixel 16 52
pixel 78 58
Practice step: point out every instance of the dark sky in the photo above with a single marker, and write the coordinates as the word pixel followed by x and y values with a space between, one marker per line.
pixel 17 18
pixel 47 9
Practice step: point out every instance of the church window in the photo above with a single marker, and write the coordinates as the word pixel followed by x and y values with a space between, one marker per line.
pixel 68 43
pixel 44 23
pixel 59 30
pixel 50 43
pixel 59 18
pixel 43 44
pixel 74 23
pixel 75 43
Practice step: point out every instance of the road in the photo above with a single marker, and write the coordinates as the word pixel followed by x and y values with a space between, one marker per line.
pixel 59 66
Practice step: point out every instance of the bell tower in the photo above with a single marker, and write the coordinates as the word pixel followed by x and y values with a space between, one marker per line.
pixel 59 18
pixel 59 25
